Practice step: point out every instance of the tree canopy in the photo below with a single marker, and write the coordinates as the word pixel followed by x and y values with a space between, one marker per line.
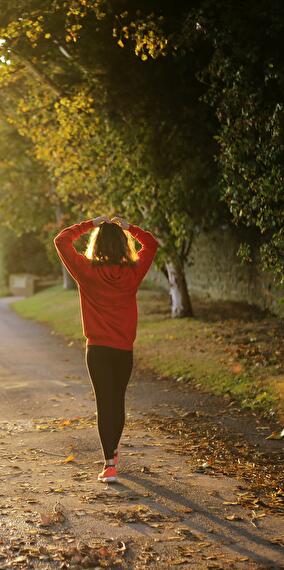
pixel 168 113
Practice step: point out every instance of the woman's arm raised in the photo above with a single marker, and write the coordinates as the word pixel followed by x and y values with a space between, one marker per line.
pixel 149 245
pixel 76 263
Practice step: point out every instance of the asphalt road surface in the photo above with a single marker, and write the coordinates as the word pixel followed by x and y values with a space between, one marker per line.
pixel 171 506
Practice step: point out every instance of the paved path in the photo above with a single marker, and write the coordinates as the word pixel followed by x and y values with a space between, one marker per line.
pixel 170 507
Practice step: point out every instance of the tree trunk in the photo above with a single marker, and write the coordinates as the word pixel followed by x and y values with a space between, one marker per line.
pixel 164 271
pixel 180 300
pixel 68 281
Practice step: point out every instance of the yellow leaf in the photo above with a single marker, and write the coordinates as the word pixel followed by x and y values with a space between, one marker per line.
pixel 120 43
pixel 69 459
pixel 65 423
pixel 47 36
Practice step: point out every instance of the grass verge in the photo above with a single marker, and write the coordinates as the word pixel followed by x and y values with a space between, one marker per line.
pixel 184 349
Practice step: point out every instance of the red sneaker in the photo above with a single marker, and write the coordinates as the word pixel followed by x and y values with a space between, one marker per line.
pixel 108 474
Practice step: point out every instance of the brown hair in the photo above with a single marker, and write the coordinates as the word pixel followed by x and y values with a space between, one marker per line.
pixel 110 244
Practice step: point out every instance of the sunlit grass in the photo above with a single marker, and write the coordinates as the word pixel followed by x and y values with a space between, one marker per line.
pixel 170 347
pixel 54 306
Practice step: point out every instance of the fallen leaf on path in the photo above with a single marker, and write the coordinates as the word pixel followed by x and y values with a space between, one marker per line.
pixel 186 551
pixel 188 533
pixel 121 546
pixel 52 517
pixel 63 423
pixel 145 469
pixel 277 540
pixel 234 518
pixel 69 459
pixel 46 519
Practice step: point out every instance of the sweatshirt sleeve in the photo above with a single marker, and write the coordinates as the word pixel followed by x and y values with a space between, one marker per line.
pixel 148 250
pixel 76 263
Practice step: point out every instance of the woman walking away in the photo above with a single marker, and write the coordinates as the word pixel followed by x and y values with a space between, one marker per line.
pixel 108 276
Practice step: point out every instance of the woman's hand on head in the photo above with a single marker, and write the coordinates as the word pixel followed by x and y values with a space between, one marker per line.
pixel 97 221
pixel 120 221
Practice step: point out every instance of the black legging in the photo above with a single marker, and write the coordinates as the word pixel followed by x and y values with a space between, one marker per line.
pixel 109 370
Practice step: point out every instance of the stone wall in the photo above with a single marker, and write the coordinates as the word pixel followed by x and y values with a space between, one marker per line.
pixel 218 274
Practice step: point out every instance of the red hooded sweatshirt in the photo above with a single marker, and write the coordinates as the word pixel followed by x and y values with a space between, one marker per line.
pixel 107 292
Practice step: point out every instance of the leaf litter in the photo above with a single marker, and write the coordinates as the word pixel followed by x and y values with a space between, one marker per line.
pixel 20 554
pixel 142 514
pixel 209 454
pixel 213 451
